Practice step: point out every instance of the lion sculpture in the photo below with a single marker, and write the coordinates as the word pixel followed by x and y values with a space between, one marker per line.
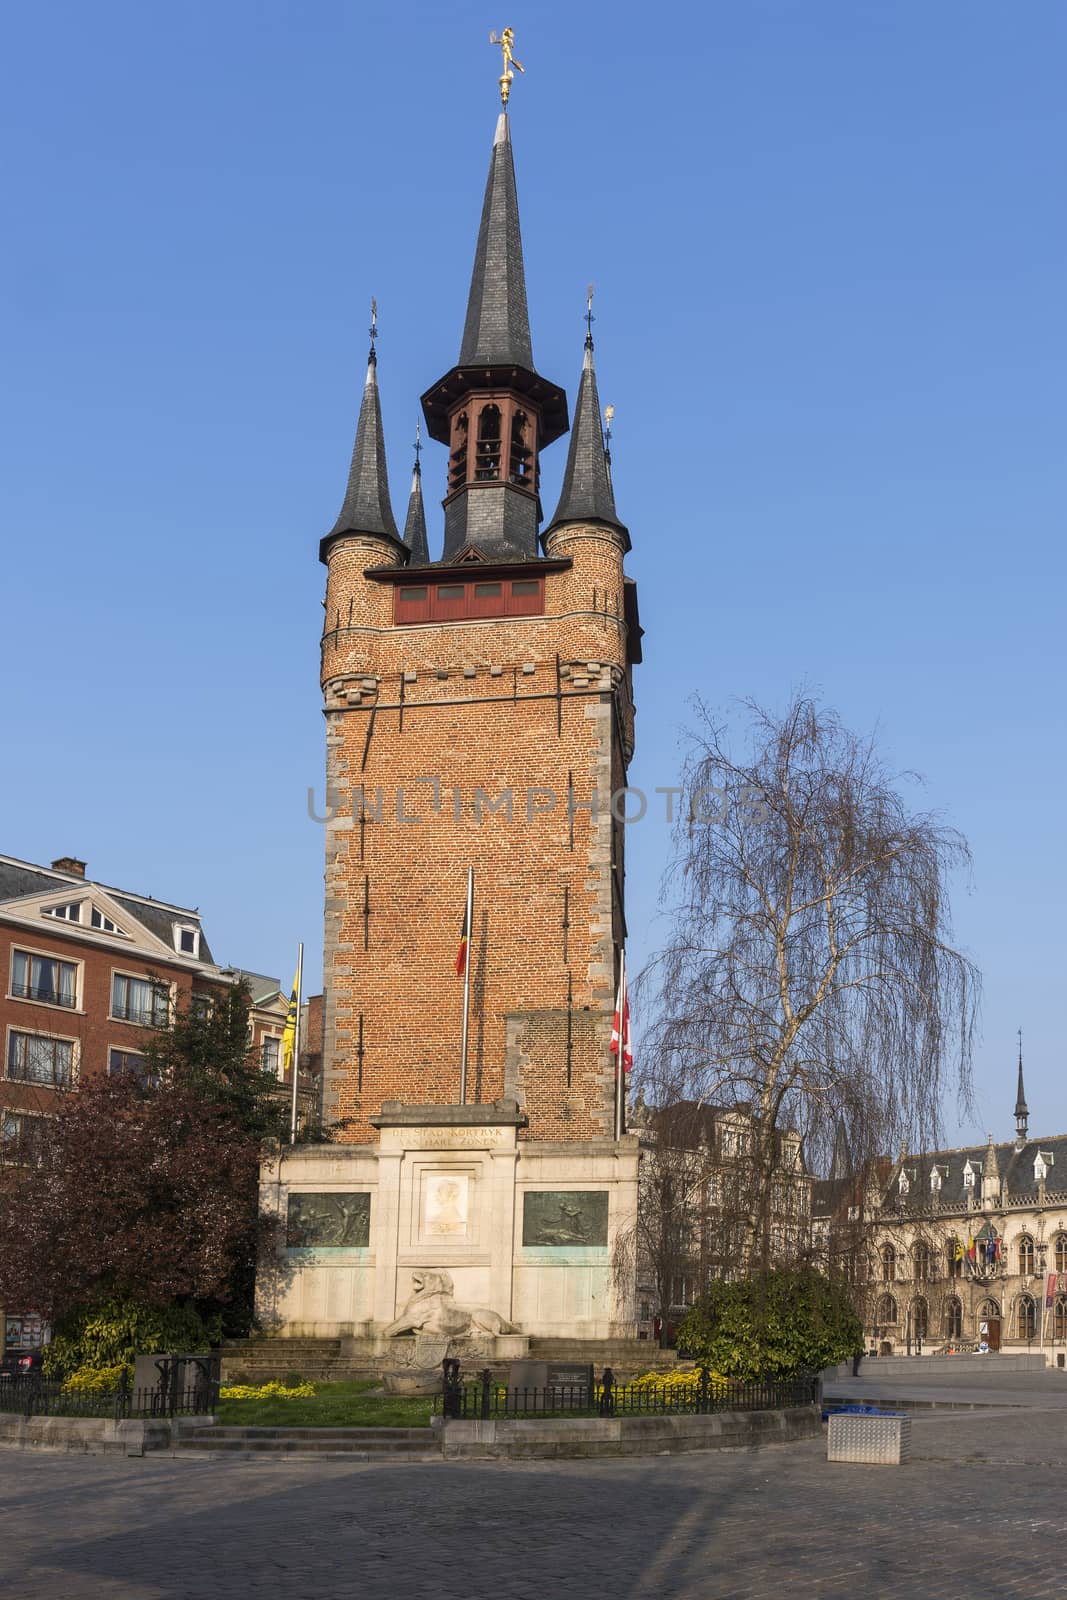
pixel 432 1311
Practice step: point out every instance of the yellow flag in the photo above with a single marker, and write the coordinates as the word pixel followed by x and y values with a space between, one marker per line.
pixel 289 1033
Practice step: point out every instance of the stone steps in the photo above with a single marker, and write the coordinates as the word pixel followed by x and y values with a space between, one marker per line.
pixel 386 1444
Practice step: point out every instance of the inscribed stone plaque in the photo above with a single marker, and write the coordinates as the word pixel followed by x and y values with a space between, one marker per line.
pixel 565 1217
pixel 328 1222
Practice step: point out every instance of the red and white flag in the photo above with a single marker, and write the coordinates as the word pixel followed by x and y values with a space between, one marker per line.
pixel 620 1027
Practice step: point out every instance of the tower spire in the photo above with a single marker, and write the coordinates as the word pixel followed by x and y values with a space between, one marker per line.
pixel 497 327
pixel 415 526
pixel 587 494
pixel 1022 1114
pixel 493 410
pixel 366 507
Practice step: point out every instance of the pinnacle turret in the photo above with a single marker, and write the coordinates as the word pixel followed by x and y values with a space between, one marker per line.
pixel 415 525
pixel 587 494
pixel 1022 1113
pixel 366 507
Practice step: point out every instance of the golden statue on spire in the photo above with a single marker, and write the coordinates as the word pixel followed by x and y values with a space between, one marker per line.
pixel 506 42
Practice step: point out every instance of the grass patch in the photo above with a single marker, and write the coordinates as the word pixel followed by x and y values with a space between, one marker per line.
pixel 335 1405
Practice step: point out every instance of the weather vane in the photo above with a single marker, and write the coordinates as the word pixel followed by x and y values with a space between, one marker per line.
pixel 506 42
pixel 418 445
pixel 589 317
pixel 609 418
pixel 373 323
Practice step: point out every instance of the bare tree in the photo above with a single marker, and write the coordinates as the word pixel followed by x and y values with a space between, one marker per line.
pixel 809 977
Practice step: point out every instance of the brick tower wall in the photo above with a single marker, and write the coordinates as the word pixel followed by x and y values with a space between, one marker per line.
pixel 521 705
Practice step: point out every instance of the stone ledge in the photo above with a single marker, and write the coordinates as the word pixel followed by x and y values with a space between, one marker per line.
pixel 94 1435
pixel 548 1438
pixel 500 1114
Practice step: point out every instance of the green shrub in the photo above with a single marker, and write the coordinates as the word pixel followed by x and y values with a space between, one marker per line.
pixel 110 1335
pixel 772 1326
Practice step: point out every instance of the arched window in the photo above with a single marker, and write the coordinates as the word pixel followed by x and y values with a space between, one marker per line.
pixel 953 1318
pixel 920 1319
pixel 1025 1248
pixel 1025 1317
pixel 887 1310
pixel 457 461
pixel 487 466
pixel 1059 1319
pixel 521 464
pixel 989 1309
pixel 920 1258
pixel 889 1264
pixel 1061 1252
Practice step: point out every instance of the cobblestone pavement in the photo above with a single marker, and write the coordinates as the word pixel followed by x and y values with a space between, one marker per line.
pixel 981 1510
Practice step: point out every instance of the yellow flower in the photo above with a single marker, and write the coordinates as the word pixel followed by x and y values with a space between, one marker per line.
pixel 267 1391
pixel 95 1380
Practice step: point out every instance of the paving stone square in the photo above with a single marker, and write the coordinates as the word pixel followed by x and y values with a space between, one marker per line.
pixel 980 1509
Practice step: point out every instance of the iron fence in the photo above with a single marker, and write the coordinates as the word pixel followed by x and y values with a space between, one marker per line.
pixel 486 1397
pixel 175 1394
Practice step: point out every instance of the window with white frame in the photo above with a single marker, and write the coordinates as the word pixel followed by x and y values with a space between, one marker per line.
pixel 71 912
pixel 45 979
pixel 142 1000
pixel 269 1053
pixel 38 1058
pixel 104 924
pixel 187 938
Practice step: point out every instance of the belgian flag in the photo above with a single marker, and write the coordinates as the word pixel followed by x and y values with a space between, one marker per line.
pixel 464 941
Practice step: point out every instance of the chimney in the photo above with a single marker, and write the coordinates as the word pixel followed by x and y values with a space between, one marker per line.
pixel 69 864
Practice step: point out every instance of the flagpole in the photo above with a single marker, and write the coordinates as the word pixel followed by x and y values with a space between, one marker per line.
pixel 296 1042
pixel 467 988
pixel 620 1057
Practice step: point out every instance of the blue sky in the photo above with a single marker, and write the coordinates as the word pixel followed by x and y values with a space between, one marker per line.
pixel 829 242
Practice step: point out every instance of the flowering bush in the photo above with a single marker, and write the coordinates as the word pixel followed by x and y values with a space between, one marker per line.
pixel 682 1381
pixel 267 1391
pixel 96 1380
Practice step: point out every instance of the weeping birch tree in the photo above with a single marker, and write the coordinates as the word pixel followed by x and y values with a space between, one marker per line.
pixel 809 978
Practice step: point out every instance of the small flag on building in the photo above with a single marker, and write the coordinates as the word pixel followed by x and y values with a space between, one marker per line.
pixel 620 1027
pixel 289 1031
pixel 464 941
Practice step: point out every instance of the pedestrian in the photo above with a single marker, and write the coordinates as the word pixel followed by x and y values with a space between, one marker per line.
pixel 857 1357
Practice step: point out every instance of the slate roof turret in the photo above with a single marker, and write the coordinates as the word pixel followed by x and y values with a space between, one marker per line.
pixel 1022 1114
pixel 415 526
pixel 366 507
pixel 587 494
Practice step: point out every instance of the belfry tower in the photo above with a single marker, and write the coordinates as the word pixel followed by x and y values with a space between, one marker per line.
pixel 479 723
pixel 479 713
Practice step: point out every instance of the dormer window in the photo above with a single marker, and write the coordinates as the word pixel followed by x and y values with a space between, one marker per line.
pixel 970 1172
pixel 71 912
pixel 104 924
pixel 187 939
pixel 1042 1161
pixel 935 1180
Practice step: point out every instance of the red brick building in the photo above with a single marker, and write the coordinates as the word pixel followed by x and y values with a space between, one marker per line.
pixel 88 971
pixel 479 713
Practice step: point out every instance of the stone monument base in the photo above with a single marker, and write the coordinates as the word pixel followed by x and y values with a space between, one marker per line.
pixel 451 1229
